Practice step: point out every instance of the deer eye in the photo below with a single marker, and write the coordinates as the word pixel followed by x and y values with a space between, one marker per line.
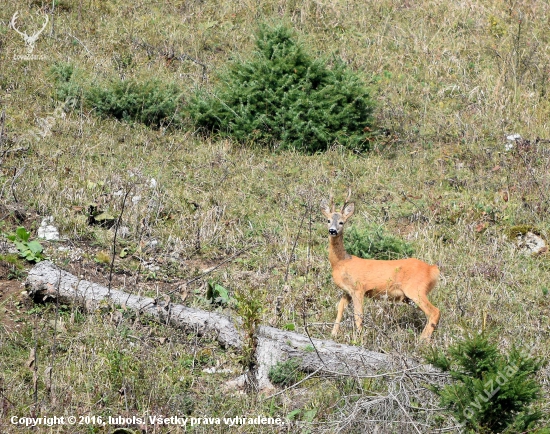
pixel 341 223
pixel 328 221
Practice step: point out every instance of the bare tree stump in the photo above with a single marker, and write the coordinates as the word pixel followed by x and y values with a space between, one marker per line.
pixel 46 280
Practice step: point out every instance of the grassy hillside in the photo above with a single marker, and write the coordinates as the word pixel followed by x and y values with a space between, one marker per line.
pixel 450 81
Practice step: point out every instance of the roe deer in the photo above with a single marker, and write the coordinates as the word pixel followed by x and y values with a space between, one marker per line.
pixel 398 280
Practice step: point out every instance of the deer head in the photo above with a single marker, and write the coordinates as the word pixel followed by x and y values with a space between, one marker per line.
pixel 29 40
pixel 336 219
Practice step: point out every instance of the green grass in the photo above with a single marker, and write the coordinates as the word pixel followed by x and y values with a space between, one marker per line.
pixel 450 81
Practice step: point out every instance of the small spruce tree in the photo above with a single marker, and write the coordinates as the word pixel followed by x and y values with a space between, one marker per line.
pixel 492 392
pixel 284 98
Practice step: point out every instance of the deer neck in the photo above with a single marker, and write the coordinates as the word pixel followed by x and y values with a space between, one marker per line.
pixel 336 250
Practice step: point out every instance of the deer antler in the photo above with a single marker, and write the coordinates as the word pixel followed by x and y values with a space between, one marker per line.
pixel 347 199
pixel 331 202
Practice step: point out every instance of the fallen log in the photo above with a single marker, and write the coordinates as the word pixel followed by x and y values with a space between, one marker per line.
pixel 45 280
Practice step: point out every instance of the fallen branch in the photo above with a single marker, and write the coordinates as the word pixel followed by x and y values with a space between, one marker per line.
pixel 47 281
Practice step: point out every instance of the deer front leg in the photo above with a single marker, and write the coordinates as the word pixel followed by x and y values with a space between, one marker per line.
pixel 342 304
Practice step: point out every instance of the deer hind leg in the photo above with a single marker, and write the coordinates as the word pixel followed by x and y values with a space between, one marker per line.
pixel 342 304
pixel 432 314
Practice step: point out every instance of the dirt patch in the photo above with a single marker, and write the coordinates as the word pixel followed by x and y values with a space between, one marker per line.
pixel 11 304
pixel 4 270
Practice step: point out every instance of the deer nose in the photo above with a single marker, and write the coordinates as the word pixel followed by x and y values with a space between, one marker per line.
pixel 332 231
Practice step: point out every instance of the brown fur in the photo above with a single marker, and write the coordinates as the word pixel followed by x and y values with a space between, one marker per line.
pixel 399 280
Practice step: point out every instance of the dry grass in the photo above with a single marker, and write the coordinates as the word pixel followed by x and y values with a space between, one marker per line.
pixel 451 81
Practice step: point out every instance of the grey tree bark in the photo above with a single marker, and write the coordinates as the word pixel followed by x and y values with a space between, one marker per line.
pixel 45 280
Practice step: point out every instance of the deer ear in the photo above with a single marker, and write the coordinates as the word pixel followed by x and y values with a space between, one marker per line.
pixel 325 208
pixel 348 210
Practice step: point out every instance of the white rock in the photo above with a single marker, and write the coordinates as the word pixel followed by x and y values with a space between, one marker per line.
pixel 511 141
pixel 531 244
pixel 47 231
pixel 513 137
pixel 508 146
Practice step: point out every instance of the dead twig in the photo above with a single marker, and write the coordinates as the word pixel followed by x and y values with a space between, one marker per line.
pixel 17 174
pixel 117 225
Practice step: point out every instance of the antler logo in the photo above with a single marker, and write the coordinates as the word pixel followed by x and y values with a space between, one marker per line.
pixel 29 40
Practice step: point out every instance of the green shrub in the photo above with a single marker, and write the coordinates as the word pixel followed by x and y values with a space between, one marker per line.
pixel 249 308
pixel 491 391
pixel 67 87
pixel 372 242
pixel 217 294
pixel 150 102
pixel 284 98
pixel 285 373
